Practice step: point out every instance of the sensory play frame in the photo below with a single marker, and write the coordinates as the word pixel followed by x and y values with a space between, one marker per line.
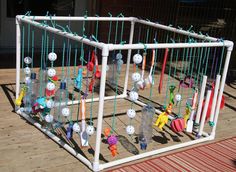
pixel 197 44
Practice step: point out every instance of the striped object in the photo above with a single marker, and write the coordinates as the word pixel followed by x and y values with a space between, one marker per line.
pixel 218 156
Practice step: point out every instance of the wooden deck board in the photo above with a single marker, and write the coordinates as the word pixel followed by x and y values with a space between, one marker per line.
pixel 24 148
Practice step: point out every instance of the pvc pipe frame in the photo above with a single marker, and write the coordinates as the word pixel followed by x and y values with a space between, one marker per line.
pixel 96 166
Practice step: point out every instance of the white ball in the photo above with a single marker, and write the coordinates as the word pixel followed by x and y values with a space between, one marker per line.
pixel 27 80
pixel 76 128
pixel 28 60
pixel 136 77
pixel 140 84
pixel 178 97
pixel 130 130
pixel 51 72
pixel 119 56
pixel 50 86
pixel 133 96
pixel 90 130
pixel 131 113
pixel 27 70
pixel 137 58
pixel 48 118
pixel 65 112
pixel 50 104
pixel 52 56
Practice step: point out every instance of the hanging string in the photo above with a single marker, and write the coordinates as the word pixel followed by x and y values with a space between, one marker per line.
pixel 32 49
pixel 28 37
pixel 109 32
pixel 139 37
pixel 41 64
pixel 154 69
pixel 168 81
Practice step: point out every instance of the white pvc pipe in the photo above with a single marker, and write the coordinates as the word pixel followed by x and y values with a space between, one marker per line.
pixel 95 99
pixel 56 139
pixel 216 90
pixel 105 53
pixel 229 50
pixel 199 108
pixel 204 113
pixel 18 51
pixel 74 18
pixel 62 33
pixel 154 152
pixel 128 58
pixel 167 45
pixel 175 30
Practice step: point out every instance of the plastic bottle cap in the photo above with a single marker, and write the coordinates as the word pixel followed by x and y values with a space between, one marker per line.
pixel 63 85
pixel 33 76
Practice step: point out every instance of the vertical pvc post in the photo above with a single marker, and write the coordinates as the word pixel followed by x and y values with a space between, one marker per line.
pixel 128 58
pixel 203 118
pixel 18 51
pixel 226 66
pixel 213 106
pixel 199 108
pixel 105 53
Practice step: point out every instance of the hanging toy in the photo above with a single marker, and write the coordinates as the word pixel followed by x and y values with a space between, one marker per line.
pixel 171 89
pixel 133 95
pixel 97 72
pixel 149 79
pixel 130 130
pixel 48 118
pixel 131 113
pixel 39 105
pixel 163 69
pixel 18 101
pixel 136 77
pixel 78 80
pixel 90 130
pixel 145 129
pixel 50 89
pixel 28 60
pixel 187 114
pixel 178 98
pixel 76 127
pixel 137 58
pixel 27 70
pixel 50 104
pixel 119 61
pixel 90 65
pixel 163 117
pixel 178 125
pixel 65 112
pixel 112 141
pixel 69 131
pixel 194 105
pixel 52 56
pixel 83 133
pixel 141 84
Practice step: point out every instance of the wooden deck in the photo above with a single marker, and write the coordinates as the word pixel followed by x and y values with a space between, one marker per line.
pixel 24 148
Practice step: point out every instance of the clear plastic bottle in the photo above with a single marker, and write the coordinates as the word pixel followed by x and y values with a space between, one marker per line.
pixel 43 79
pixel 60 100
pixel 32 93
pixel 145 130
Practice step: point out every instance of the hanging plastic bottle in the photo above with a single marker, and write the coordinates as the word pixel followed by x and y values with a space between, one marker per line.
pixel 32 93
pixel 60 103
pixel 145 131
pixel 43 78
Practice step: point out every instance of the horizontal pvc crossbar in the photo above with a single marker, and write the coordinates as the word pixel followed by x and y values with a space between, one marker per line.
pixel 73 18
pixel 62 33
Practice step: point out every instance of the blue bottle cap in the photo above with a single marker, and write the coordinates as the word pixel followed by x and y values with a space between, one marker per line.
pixel 63 85
pixel 33 76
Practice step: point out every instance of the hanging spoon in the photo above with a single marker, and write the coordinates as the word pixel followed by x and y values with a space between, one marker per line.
pixel 149 79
